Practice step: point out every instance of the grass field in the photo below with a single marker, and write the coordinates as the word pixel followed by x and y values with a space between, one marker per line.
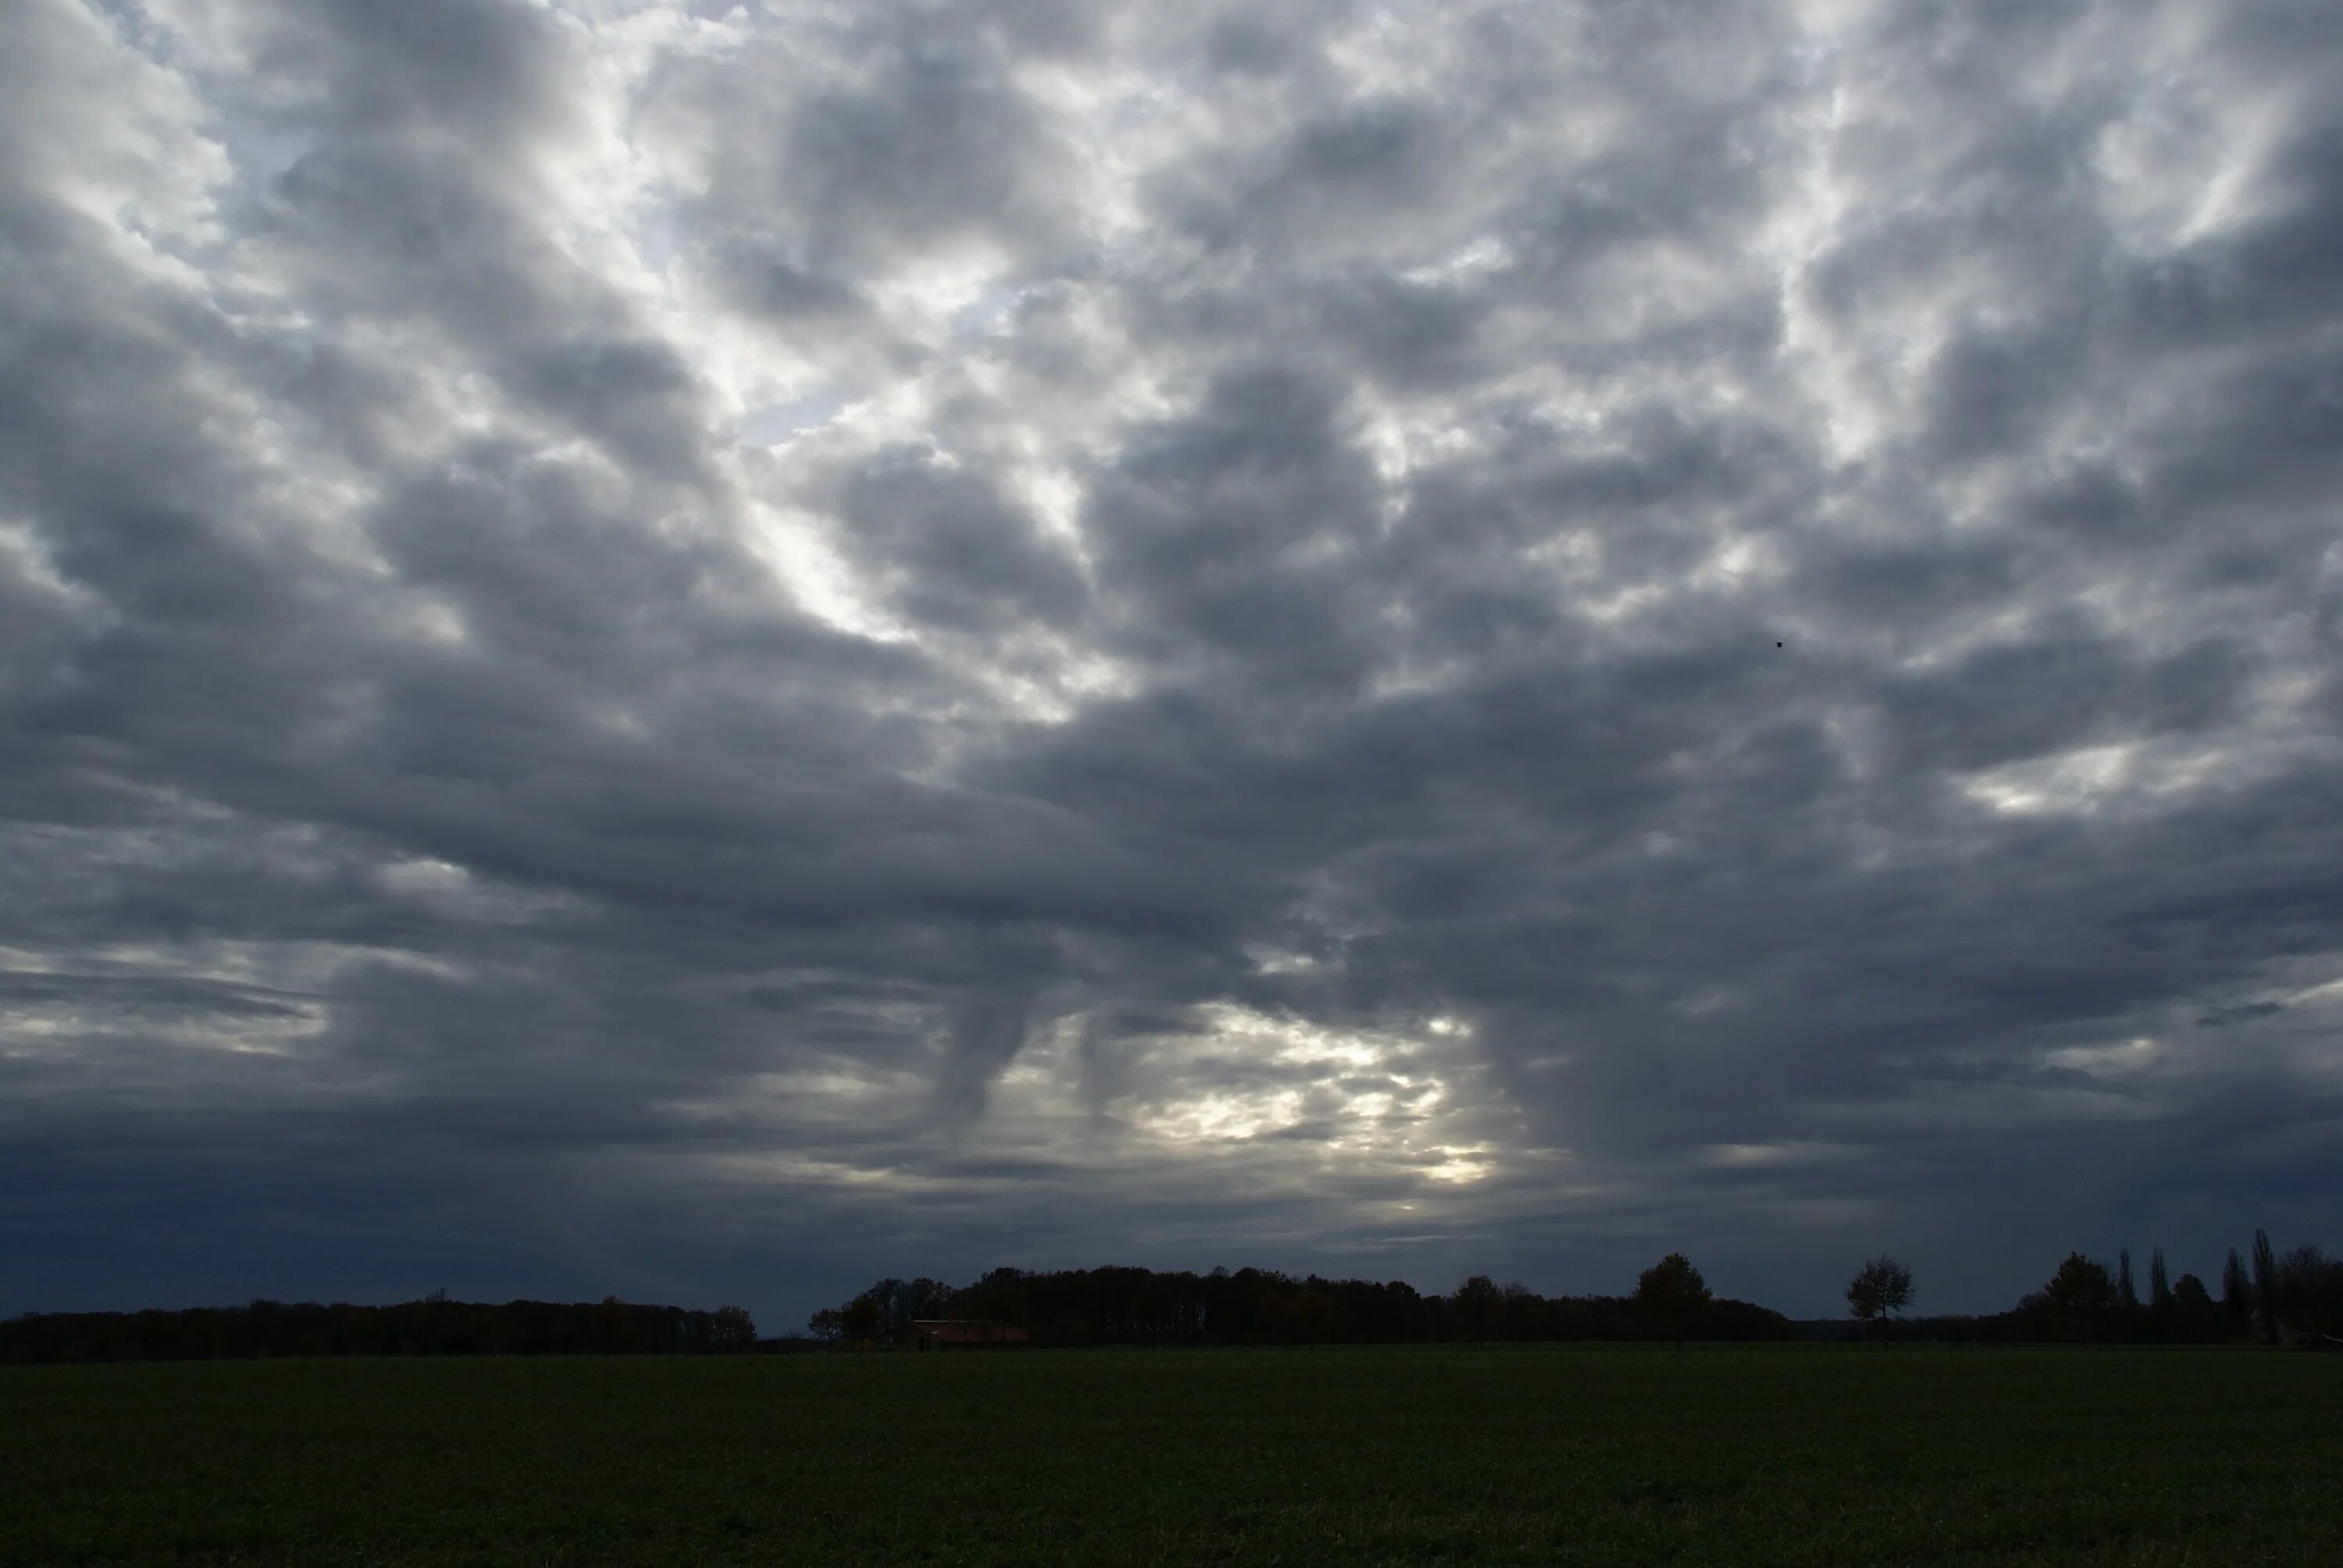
pixel 1705 1454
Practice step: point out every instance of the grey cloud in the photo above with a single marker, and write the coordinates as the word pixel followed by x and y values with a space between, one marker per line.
pixel 768 281
pixel 1227 531
pixel 2062 687
pixel 966 557
pixel 986 1036
pixel 456 68
pixel 916 137
pixel 2221 1018
pixel 1502 610
pixel 1416 337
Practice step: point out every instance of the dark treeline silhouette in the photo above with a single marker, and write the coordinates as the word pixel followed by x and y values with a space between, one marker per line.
pixel 2292 1298
pixel 1254 1306
pixel 2265 1296
pixel 434 1326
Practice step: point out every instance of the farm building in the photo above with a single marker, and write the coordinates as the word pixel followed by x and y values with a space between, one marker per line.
pixel 959 1333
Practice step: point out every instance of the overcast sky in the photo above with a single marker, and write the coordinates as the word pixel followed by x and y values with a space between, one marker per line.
pixel 708 653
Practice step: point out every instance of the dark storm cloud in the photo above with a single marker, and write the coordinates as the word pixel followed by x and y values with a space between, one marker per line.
pixel 1428 641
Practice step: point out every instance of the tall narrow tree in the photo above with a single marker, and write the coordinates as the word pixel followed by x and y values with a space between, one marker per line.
pixel 2265 1302
pixel 2160 1314
pixel 2127 1293
pixel 2236 1295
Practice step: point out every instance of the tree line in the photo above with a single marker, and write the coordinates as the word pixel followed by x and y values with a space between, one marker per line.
pixel 2265 1296
pixel 1138 1306
pixel 2295 1297
pixel 432 1326
pixel 2268 1297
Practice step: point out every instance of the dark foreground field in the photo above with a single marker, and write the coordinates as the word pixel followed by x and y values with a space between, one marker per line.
pixel 1447 1454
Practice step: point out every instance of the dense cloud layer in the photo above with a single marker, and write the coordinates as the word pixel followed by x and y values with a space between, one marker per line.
pixel 705 654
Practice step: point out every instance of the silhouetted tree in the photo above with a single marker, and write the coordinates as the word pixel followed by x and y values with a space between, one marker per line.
pixel 2236 1295
pixel 859 1320
pixel 1523 1313
pixel 2195 1318
pixel 2159 1294
pixel 998 1297
pixel 2079 1296
pixel 1880 1289
pixel 2265 1286
pixel 1474 1308
pixel 2127 1293
pixel 732 1331
pixel 2310 1291
pixel 1670 1296
pixel 1726 1319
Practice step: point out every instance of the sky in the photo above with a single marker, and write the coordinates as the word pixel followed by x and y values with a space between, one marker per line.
pixel 708 653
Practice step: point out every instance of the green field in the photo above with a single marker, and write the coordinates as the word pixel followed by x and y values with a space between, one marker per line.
pixel 1708 1453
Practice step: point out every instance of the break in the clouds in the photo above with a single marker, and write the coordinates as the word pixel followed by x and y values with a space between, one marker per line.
pixel 709 652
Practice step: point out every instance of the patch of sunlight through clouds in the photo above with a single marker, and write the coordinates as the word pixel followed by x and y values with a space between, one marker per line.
pixel 1360 1097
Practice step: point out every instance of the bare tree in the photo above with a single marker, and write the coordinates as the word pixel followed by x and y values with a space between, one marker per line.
pixel 1880 1289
